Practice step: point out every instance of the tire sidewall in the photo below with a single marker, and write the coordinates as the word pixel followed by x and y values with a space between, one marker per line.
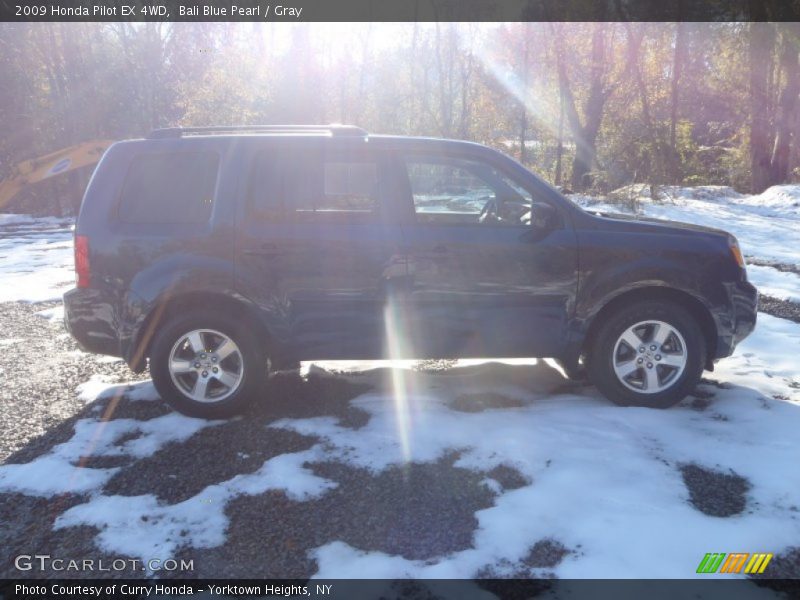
pixel 601 367
pixel 253 358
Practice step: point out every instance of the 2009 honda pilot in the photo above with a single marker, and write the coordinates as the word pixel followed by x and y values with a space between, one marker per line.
pixel 217 252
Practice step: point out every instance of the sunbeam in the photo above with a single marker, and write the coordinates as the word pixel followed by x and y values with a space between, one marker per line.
pixel 397 348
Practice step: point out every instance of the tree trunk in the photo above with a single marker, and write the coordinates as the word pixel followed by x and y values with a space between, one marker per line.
pixel 582 166
pixel 779 163
pixel 677 68
pixel 523 117
pixel 762 42
pixel 560 147
pixel 586 139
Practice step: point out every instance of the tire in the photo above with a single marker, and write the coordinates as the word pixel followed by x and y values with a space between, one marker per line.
pixel 228 390
pixel 659 376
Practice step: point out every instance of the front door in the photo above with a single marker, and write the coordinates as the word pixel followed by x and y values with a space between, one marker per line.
pixel 485 281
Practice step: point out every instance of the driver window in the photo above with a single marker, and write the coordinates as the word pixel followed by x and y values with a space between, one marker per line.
pixel 458 191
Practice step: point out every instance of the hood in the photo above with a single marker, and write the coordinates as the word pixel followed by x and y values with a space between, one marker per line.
pixel 659 224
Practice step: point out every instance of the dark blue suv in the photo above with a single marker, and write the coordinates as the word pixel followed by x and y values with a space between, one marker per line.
pixel 217 253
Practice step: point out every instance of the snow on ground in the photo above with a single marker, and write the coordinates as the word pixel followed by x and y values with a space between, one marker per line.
pixel 54 315
pixel 772 282
pixel 61 470
pixel 97 388
pixel 36 258
pixel 765 225
pixel 140 526
pixel 779 198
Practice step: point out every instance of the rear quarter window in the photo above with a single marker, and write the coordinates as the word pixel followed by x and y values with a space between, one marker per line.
pixel 169 188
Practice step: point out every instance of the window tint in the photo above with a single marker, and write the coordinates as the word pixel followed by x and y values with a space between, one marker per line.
pixel 453 190
pixel 169 188
pixel 306 185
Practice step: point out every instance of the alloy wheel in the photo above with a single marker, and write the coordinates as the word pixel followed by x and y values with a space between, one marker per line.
pixel 649 357
pixel 206 365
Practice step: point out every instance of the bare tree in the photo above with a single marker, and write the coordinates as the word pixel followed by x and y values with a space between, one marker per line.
pixel 762 43
pixel 787 103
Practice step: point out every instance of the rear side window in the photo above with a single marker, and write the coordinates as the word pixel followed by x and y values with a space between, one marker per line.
pixel 311 185
pixel 169 188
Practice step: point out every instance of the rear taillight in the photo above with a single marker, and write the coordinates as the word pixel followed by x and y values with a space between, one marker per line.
pixel 82 277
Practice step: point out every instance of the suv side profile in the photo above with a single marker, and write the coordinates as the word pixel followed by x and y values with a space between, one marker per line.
pixel 219 253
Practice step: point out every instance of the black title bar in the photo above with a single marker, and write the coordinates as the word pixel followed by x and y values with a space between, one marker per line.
pixel 398 10
pixel 348 589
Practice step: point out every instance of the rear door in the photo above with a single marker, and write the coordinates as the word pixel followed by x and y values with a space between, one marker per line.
pixel 485 282
pixel 318 245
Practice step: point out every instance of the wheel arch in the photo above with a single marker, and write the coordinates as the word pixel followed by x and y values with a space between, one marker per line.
pixel 167 308
pixel 690 303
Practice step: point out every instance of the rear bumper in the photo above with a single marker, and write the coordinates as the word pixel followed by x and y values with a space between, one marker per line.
pixel 89 318
pixel 739 320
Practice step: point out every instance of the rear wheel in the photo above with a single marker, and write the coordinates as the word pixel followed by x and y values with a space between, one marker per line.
pixel 647 354
pixel 207 365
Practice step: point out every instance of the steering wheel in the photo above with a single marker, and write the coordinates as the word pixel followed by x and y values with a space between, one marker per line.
pixel 489 211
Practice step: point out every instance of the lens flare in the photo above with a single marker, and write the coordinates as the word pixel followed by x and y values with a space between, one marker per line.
pixel 395 319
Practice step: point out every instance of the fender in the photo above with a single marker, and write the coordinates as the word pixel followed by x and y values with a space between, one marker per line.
pixel 595 292
pixel 650 272
pixel 178 281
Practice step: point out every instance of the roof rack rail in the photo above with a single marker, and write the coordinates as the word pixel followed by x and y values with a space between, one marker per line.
pixel 334 129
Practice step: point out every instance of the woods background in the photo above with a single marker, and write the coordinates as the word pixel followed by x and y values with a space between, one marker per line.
pixel 588 106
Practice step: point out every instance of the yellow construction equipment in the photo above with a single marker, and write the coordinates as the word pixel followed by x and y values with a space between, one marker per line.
pixel 56 163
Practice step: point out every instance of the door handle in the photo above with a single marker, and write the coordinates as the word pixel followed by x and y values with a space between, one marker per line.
pixel 265 249
pixel 438 252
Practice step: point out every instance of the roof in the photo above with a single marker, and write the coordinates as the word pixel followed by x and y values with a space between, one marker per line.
pixel 334 129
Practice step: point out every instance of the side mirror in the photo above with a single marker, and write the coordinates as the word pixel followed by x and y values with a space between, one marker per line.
pixel 544 216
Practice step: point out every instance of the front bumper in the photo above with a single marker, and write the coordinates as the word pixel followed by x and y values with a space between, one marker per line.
pixel 739 318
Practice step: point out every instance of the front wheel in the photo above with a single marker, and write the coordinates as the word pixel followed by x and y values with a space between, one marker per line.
pixel 206 365
pixel 647 354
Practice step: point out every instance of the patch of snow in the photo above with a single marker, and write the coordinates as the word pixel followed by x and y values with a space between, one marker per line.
pixel 91 390
pixel 50 475
pixel 763 231
pixel 780 198
pixel 99 388
pixel 713 193
pixel 772 282
pixel 36 258
pixel 340 560
pixel 54 315
pixel 22 221
pixel 766 360
pixel 284 472
pixel 107 359
pixel 154 434
pixel 141 526
pixel 61 470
